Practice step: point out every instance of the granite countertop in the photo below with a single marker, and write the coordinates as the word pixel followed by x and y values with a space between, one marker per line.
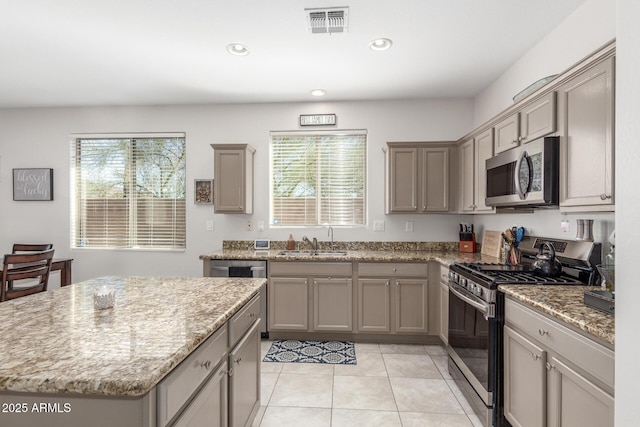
pixel 56 342
pixel 565 303
pixel 385 255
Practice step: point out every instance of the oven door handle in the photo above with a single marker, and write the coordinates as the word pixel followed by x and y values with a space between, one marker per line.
pixel 487 310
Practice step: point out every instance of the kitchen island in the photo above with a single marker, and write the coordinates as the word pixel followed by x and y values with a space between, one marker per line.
pixel 64 362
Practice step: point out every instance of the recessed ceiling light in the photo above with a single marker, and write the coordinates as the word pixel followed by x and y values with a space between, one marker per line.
pixel 380 44
pixel 318 92
pixel 237 49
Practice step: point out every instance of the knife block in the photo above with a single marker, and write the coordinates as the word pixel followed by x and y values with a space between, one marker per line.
pixel 468 245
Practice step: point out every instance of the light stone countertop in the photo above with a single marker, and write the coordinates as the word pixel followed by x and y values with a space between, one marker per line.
pixel 396 255
pixel 56 342
pixel 565 303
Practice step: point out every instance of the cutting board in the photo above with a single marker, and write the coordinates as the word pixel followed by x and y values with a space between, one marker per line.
pixel 491 243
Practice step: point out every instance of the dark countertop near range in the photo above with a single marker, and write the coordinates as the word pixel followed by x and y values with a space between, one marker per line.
pixel 565 303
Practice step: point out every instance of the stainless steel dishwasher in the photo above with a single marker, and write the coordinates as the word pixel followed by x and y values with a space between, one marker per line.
pixel 243 268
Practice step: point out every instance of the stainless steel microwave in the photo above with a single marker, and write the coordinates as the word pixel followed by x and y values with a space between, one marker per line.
pixel 527 175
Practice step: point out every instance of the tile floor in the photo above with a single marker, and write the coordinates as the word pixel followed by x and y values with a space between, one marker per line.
pixel 391 386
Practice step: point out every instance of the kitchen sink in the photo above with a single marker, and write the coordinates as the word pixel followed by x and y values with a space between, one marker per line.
pixel 311 253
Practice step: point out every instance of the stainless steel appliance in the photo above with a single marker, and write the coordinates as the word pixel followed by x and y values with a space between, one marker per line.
pixel 525 176
pixel 476 315
pixel 244 268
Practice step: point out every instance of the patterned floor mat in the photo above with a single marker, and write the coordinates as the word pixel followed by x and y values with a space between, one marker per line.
pixel 333 352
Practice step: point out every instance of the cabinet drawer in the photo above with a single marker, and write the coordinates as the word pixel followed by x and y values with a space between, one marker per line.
pixel 310 269
pixel 242 320
pixel 580 350
pixel 176 389
pixel 392 269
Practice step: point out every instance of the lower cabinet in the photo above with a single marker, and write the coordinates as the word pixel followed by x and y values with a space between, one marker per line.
pixel 559 378
pixel 310 296
pixel 244 378
pixel 209 408
pixel 392 297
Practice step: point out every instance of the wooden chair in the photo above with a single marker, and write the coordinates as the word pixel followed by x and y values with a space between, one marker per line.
pixel 31 247
pixel 31 267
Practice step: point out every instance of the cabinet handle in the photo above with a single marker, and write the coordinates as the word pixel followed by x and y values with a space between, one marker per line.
pixel 542 332
pixel 206 365
pixel 238 360
pixel 251 315
pixel 395 269
pixel 387 283
pixel 605 196
pixel 515 141
pixel 535 356
pixel 550 366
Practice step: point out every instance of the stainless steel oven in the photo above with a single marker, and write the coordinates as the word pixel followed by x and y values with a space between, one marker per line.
pixel 473 340
pixel 527 175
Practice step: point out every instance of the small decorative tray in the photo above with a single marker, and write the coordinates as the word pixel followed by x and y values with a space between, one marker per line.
pixel 600 300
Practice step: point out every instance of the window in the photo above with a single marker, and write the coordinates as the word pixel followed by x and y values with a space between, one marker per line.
pixel 128 191
pixel 318 178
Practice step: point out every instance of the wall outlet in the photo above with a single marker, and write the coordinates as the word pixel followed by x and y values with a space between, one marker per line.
pixel 378 225
pixel 408 226
pixel 209 225
pixel 260 225
pixel 249 226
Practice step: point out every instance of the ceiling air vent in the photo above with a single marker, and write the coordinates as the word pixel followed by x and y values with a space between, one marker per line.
pixel 332 20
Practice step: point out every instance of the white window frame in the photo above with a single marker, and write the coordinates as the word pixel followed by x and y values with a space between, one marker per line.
pixel 74 197
pixel 275 222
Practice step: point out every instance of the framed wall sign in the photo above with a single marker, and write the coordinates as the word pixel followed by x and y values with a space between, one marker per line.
pixel 32 184
pixel 317 120
pixel 203 192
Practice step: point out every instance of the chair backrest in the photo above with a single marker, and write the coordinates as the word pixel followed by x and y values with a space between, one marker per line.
pixel 33 265
pixel 31 247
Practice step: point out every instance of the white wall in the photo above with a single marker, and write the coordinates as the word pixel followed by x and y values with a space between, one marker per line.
pixel 627 211
pixel 40 138
pixel 589 27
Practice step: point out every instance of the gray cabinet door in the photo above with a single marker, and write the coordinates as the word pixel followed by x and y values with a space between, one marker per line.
pixel 507 133
pixel 538 118
pixel 483 151
pixel 434 188
pixel 525 381
pixel 573 400
pixel 467 176
pixel 288 304
pixel 209 407
pixel 411 303
pixel 444 312
pixel 233 178
pixel 586 111
pixel 332 305
pixel 402 176
pixel 244 378
pixel 374 305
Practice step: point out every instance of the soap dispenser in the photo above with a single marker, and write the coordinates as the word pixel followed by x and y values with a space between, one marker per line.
pixel 291 244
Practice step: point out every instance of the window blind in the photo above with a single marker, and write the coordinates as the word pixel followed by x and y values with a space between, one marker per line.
pixel 128 192
pixel 318 178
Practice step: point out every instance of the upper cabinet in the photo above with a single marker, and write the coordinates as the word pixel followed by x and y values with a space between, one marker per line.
pixel 474 153
pixel 534 120
pixel 417 178
pixel 586 112
pixel 233 178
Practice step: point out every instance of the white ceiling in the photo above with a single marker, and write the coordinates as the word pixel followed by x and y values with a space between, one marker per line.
pixel 155 52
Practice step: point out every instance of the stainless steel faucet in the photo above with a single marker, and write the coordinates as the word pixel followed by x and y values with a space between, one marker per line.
pixel 330 233
pixel 314 244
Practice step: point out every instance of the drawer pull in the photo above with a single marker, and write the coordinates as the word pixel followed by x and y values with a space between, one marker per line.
pixel 542 332
pixel 395 269
pixel 238 360
pixel 206 365
pixel 535 356
pixel 251 315
pixel 550 366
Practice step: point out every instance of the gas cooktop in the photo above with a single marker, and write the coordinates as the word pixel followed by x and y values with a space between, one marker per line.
pixel 500 274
